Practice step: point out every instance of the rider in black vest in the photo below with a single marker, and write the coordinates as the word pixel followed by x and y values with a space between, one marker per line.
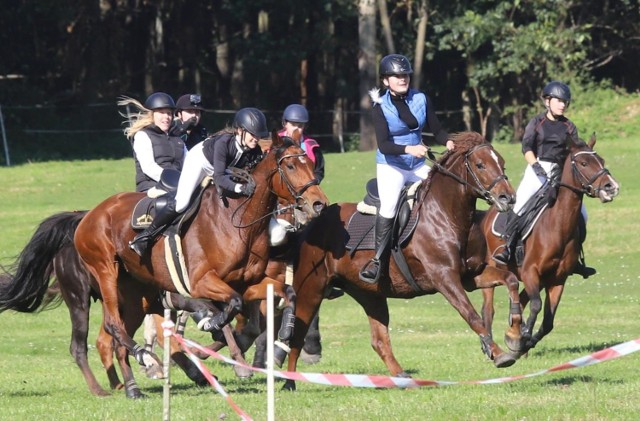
pixel 154 149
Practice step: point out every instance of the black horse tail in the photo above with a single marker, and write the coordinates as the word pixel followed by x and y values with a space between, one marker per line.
pixel 24 285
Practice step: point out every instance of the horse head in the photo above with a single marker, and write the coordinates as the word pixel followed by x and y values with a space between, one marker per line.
pixel 293 180
pixel 589 174
pixel 485 166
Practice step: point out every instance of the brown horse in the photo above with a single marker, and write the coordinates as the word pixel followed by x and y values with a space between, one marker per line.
pixel 225 244
pixel 435 253
pixel 552 249
pixel 50 253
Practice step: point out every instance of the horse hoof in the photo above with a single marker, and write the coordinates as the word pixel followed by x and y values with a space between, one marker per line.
pixel 242 372
pixel 514 345
pixel 154 372
pixel 135 394
pixel 289 385
pixel 504 360
pixel 310 359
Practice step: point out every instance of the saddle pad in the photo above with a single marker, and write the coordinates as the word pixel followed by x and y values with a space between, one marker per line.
pixel 362 233
pixel 143 213
pixel 500 221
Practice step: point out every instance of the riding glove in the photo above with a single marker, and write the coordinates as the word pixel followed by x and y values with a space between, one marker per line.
pixel 537 168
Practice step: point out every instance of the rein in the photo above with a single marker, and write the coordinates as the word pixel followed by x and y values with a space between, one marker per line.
pixel 483 192
pixel 297 195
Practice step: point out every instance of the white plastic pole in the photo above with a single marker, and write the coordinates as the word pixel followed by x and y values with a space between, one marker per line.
pixel 166 362
pixel 270 377
pixel 4 139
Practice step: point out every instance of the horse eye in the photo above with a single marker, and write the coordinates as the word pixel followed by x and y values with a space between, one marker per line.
pixel 481 165
pixel 290 166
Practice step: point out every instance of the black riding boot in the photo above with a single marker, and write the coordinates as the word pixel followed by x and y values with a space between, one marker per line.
pixel 377 266
pixel 504 256
pixel 165 216
pixel 581 268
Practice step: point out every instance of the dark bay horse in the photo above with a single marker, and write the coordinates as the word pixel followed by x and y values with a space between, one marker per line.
pixel 51 253
pixel 435 253
pixel 225 245
pixel 552 249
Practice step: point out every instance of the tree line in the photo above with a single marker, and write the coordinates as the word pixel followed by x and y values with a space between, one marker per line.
pixel 482 61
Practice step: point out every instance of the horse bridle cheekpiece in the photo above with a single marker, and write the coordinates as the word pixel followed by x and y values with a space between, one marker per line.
pixel 297 195
pixel 485 192
pixel 586 183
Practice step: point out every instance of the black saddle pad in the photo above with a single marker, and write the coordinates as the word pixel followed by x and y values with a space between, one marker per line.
pixel 143 213
pixel 362 232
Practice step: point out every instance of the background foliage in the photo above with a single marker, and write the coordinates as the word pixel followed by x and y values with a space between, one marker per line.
pixel 484 62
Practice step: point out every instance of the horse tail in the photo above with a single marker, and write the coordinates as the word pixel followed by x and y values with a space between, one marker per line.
pixel 24 285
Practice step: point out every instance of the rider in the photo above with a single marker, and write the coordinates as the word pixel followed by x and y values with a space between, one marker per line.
pixel 188 120
pixel 399 120
pixel 296 117
pixel 154 148
pixel 543 146
pixel 232 147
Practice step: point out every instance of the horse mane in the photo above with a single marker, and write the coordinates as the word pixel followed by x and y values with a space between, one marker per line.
pixel 464 142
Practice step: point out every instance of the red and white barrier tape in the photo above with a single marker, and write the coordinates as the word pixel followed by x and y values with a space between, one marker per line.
pixel 360 380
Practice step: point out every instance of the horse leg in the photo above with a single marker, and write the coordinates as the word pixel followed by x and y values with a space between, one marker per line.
pixel 177 356
pixel 531 295
pixel 105 346
pixel 377 311
pixel 488 279
pixel 259 292
pixel 150 332
pixel 312 349
pixel 554 294
pixel 454 293
pixel 75 291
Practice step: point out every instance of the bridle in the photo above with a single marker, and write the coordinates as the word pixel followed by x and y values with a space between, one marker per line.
pixel 586 183
pixel 478 188
pixel 296 194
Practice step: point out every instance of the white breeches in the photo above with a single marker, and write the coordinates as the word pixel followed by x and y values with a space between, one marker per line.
pixel 390 182
pixel 196 167
pixel 531 183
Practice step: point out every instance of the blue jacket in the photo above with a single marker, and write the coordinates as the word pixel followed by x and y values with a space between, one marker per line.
pixel 400 132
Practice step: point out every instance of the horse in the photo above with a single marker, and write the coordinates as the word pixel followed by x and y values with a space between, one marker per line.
pixel 51 253
pixel 434 253
pixel 225 245
pixel 553 247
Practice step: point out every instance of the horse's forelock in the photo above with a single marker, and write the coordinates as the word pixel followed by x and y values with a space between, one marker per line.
pixel 287 142
pixel 464 142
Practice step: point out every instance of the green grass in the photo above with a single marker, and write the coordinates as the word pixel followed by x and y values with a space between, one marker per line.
pixel 39 379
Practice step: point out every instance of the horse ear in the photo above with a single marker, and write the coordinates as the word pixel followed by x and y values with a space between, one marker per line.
pixel 592 140
pixel 296 136
pixel 276 140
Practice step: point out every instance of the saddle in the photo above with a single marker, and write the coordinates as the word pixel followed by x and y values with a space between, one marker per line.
pixel 506 224
pixel 361 224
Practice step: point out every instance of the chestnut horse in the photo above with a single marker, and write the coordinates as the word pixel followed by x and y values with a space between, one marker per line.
pixel 51 253
pixel 225 245
pixel 435 253
pixel 552 249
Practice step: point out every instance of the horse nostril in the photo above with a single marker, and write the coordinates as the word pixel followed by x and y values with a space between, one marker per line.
pixel 318 206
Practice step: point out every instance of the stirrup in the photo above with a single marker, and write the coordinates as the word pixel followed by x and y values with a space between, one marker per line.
pixel 139 246
pixel 504 257
pixel 370 272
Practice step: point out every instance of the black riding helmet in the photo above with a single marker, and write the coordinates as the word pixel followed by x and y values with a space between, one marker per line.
pixel 189 102
pixel 295 113
pixel 159 100
pixel 395 64
pixel 253 121
pixel 558 90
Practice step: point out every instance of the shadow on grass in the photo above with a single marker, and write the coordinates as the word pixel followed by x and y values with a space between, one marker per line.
pixel 570 380
pixel 578 349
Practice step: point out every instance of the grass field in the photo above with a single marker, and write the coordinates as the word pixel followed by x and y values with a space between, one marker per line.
pixel 39 379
